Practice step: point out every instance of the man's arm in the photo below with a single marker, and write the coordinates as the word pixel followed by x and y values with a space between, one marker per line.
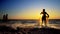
pixel 48 15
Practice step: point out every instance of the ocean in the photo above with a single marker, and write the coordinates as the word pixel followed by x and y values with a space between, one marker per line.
pixel 25 23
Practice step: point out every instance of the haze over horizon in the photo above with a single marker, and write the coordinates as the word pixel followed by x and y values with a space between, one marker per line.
pixel 29 9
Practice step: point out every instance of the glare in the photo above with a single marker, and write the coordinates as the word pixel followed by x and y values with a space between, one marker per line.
pixel 41 15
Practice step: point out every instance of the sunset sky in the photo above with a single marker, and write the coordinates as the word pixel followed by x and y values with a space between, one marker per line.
pixel 29 9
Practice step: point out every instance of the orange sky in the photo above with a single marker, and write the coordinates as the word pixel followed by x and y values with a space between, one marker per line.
pixel 35 14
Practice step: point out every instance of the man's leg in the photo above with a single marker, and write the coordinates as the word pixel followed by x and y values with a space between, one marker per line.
pixel 42 22
pixel 45 22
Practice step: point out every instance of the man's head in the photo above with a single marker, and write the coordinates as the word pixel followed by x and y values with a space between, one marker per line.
pixel 43 10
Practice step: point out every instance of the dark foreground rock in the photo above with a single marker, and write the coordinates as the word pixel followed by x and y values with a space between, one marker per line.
pixel 10 30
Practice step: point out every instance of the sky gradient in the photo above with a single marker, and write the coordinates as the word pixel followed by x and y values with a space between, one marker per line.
pixel 29 9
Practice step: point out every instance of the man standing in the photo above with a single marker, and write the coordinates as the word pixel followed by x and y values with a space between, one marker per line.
pixel 44 16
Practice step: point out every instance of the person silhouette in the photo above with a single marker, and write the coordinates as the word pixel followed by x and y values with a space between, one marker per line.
pixel 5 17
pixel 44 16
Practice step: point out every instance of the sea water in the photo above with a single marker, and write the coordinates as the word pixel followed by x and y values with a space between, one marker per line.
pixel 54 23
